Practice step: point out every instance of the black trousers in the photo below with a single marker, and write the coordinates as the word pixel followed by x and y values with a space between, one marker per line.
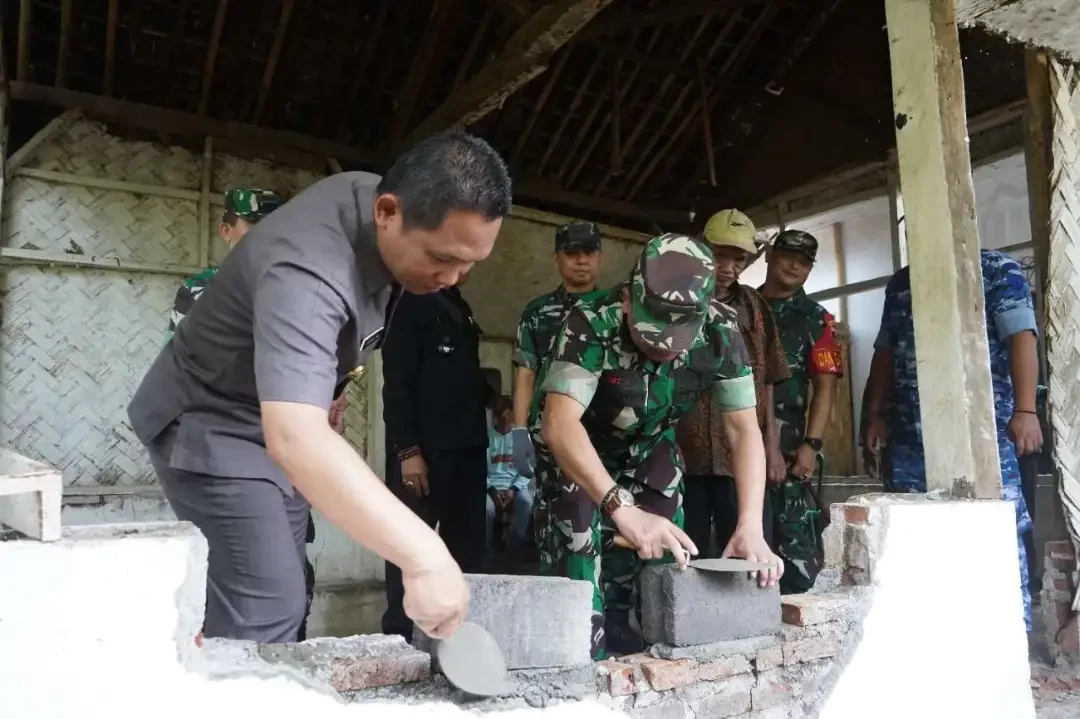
pixel 457 502
pixel 711 499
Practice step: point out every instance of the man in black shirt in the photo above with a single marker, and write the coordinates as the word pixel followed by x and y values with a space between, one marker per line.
pixel 434 400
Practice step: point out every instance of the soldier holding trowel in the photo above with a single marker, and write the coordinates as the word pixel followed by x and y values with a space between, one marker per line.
pixel 626 367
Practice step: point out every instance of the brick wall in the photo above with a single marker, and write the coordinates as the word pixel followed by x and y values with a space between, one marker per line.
pixel 765 677
pixel 1059 588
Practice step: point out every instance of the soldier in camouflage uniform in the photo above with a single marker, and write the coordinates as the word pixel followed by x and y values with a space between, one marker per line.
pixel 577 258
pixel 626 367
pixel 892 390
pixel 814 358
pixel 243 208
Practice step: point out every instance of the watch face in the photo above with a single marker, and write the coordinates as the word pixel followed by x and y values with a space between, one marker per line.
pixel 625 497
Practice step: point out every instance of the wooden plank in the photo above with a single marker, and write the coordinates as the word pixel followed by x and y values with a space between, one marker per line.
pixel 177 122
pixel 103 183
pixel 526 56
pixel 55 126
pixel 41 258
pixel 1037 144
pixel 421 67
pixel 512 10
pixel 955 396
pixel 110 46
pixel 63 55
pixel 211 55
pixel 30 496
pixel 204 201
pixel 22 60
pixel 272 60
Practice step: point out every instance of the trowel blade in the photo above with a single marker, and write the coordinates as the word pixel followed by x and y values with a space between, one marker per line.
pixel 728 565
pixel 473 662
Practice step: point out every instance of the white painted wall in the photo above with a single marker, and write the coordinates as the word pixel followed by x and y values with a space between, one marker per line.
pixel 935 643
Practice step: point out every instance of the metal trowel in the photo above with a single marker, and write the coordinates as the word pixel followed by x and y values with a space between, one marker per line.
pixel 708 565
pixel 473 662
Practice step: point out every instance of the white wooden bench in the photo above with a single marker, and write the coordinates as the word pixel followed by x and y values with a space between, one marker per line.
pixel 30 494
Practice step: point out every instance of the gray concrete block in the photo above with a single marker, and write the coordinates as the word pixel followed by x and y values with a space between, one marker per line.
pixel 697 607
pixel 539 622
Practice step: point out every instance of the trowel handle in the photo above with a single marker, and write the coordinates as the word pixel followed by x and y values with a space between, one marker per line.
pixel 623 543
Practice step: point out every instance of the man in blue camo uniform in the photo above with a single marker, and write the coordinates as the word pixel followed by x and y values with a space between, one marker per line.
pixel 892 393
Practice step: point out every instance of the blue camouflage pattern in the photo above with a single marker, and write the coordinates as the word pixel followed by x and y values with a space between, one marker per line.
pixel 1010 309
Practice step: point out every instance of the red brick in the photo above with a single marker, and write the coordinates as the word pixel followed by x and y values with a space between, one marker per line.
pixel 722 668
pixel 636 660
pixel 353 674
pixel 1061 549
pixel 856 514
pixel 1062 585
pixel 664 674
pixel 1062 564
pixel 808 650
pixel 620 678
pixel 772 691
pixel 804 610
pixel 769 658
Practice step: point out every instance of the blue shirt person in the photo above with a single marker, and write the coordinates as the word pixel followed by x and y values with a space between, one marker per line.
pixel 892 401
pixel 509 491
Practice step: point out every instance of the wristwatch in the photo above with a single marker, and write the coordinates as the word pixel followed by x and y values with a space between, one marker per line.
pixel 814 443
pixel 615 498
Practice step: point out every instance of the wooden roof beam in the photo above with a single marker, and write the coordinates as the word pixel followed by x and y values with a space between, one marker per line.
pixel 422 65
pixel 22 59
pixel 525 56
pixel 512 10
pixel 211 55
pixel 63 55
pixel 110 46
pixel 636 19
pixel 272 60
pixel 546 191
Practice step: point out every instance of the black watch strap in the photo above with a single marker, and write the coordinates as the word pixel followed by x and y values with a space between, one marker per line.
pixel 814 443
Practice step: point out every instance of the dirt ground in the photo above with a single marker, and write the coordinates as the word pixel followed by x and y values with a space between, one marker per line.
pixel 1056 691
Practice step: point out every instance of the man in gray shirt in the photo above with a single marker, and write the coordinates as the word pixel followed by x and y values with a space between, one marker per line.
pixel 234 411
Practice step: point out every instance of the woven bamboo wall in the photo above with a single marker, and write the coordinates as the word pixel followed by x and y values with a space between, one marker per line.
pixel 75 342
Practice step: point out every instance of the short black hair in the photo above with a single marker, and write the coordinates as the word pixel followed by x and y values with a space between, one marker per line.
pixel 229 218
pixel 448 171
pixel 501 404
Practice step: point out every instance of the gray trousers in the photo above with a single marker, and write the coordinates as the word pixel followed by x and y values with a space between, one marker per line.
pixel 255 585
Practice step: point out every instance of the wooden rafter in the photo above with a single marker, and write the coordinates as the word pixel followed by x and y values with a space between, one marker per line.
pixel 513 10
pixel 650 160
pixel 526 56
pixel 168 55
pixel 422 66
pixel 547 191
pixel 470 54
pixel 22 60
pixel 567 117
pixel 538 109
pixel 659 95
pixel 636 19
pixel 706 124
pixel 63 54
pixel 211 55
pixel 272 59
pixel 361 69
pixel 110 46
pixel 573 154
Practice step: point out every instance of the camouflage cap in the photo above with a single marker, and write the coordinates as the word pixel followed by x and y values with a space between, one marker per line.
pixel 797 241
pixel 577 236
pixel 671 287
pixel 251 203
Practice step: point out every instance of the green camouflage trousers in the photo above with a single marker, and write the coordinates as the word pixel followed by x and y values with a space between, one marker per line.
pixel 796 537
pixel 576 541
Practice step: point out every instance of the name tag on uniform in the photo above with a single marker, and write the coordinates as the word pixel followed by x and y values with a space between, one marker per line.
pixel 373 341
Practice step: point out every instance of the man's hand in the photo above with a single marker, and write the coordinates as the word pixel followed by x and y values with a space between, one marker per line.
pixel 804 462
pixel 653 535
pixel 775 465
pixel 524 452
pixel 414 475
pixel 750 544
pixel 337 414
pixel 504 498
pixel 437 598
pixel 873 441
pixel 1025 432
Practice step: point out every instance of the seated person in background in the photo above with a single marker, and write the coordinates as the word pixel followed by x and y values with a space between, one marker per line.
pixel 508 490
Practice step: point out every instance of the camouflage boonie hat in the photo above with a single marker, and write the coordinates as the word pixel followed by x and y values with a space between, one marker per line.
pixel 670 290
pixel 252 204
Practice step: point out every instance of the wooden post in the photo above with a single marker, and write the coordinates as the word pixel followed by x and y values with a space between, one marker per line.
pixel 955 395
pixel 896 213
pixel 204 202
pixel 1038 139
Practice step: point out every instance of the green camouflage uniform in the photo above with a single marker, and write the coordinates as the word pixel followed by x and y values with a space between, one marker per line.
pixel 632 404
pixel 249 204
pixel 805 329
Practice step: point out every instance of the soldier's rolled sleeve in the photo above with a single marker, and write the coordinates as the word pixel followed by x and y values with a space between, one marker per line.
pixel 733 388
pixel 298 317
pixel 576 362
pixel 1009 299
pixel 525 350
